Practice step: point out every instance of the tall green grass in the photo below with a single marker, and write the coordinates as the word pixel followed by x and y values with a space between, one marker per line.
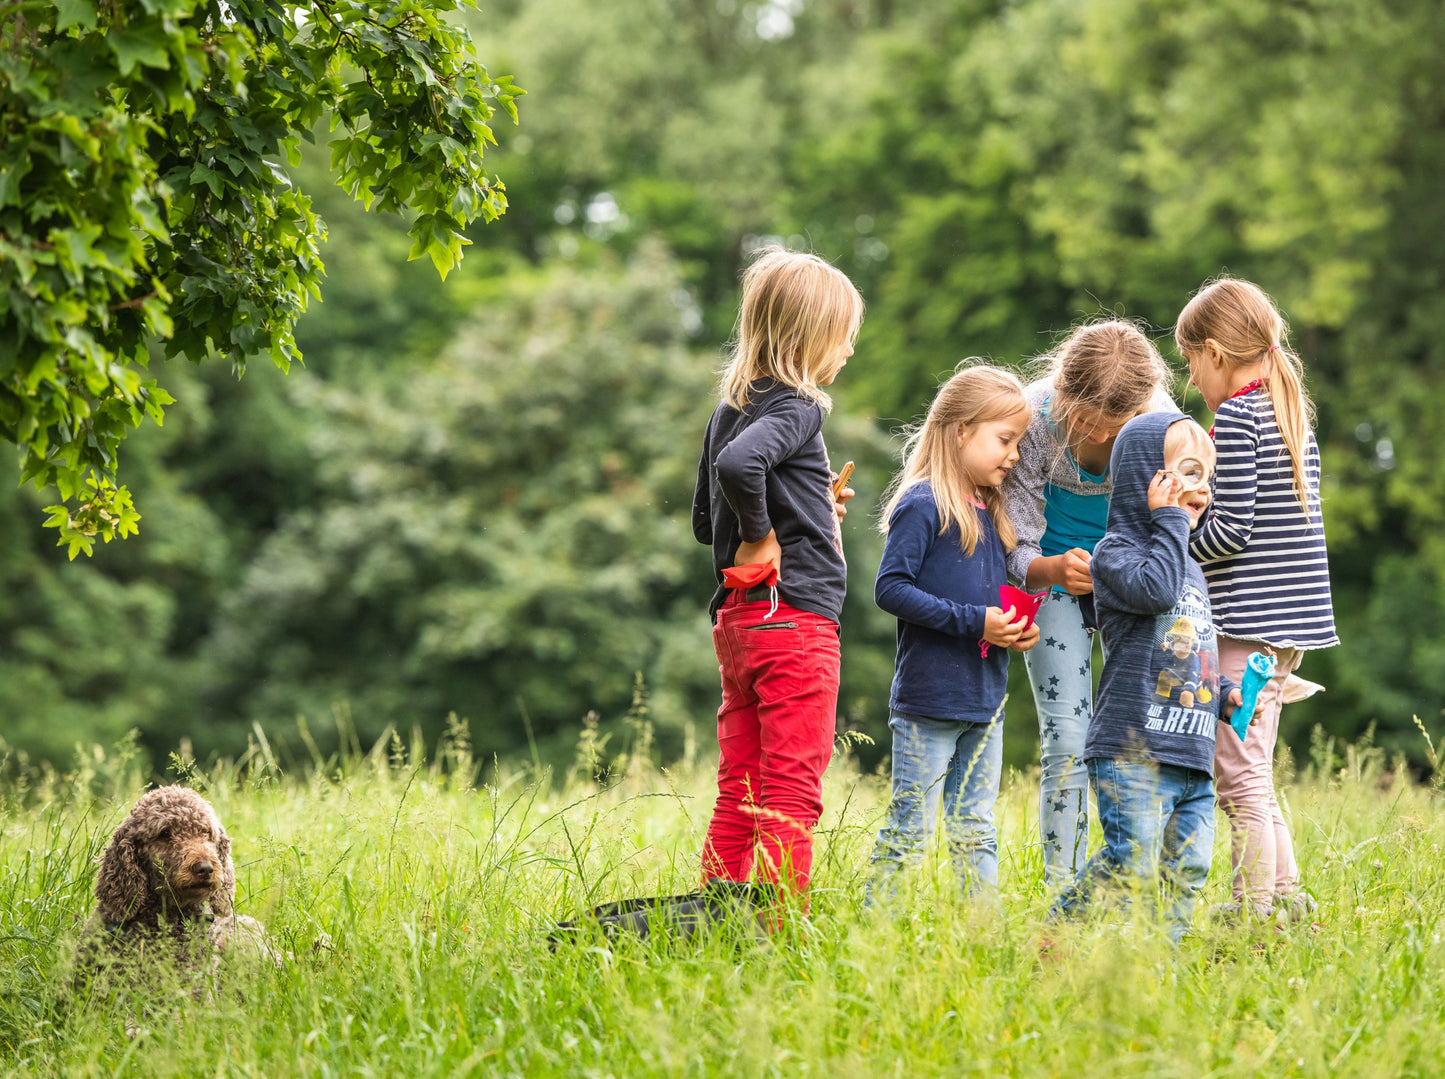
pixel 437 882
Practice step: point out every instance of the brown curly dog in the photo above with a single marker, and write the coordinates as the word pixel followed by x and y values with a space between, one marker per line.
pixel 168 861
pixel 165 894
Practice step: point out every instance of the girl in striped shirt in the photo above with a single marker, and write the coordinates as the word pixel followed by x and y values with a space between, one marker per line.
pixel 1262 549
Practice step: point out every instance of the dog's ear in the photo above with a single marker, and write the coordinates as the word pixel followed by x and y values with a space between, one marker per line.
pixel 223 900
pixel 123 887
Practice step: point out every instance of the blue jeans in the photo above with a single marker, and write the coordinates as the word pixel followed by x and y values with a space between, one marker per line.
pixel 1158 822
pixel 1062 681
pixel 953 762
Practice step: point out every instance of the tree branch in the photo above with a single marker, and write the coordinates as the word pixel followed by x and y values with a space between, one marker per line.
pixel 126 305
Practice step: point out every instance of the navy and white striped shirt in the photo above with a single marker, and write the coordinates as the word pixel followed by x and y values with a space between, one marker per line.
pixel 1263 557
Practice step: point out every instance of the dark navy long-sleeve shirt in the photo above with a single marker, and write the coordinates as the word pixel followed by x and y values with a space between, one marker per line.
pixel 1160 695
pixel 764 469
pixel 940 596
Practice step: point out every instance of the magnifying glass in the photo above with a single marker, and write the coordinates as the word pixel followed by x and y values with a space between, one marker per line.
pixel 1192 472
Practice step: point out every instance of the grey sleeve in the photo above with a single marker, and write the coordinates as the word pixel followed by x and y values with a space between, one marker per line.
pixel 1023 494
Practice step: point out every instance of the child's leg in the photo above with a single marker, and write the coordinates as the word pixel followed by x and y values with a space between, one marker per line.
pixel 969 794
pixel 1286 870
pixel 1063 687
pixel 1188 844
pixel 923 752
pixel 732 831
pixel 1131 817
pixel 1244 779
pixel 795 676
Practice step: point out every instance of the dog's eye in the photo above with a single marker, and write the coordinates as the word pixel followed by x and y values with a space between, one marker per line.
pixel 164 834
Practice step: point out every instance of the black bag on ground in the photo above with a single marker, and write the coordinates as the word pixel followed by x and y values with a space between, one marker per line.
pixel 735 906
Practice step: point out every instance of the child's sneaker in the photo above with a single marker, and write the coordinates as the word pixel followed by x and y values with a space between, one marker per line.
pixel 1296 906
pixel 1049 952
pixel 1224 913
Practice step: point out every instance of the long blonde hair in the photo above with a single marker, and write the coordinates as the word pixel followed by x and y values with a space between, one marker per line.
pixel 1109 366
pixel 1245 326
pixel 797 312
pixel 976 393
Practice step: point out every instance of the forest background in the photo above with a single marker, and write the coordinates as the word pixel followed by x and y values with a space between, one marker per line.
pixel 474 498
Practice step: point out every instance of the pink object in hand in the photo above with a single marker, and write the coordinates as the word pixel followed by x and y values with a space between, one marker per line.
pixel 1023 603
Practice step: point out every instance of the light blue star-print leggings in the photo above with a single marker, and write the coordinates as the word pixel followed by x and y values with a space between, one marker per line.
pixel 1062 680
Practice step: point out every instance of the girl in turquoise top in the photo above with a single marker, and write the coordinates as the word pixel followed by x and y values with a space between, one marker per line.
pixel 1102 376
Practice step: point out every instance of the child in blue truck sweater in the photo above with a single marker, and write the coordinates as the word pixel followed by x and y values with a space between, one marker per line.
pixel 1150 747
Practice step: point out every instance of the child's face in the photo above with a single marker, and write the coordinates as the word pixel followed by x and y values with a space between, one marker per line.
pixel 1207 375
pixel 836 363
pixel 1095 426
pixel 1190 469
pixel 988 450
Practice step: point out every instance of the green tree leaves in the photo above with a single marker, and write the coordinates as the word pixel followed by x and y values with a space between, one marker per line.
pixel 505 528
pixel 988 172
pixel 143 198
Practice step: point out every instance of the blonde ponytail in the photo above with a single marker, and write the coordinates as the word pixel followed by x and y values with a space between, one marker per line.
pixel 1246 328
pixel 1294 413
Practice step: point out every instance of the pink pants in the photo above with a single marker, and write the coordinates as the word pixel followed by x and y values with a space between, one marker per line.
pixel 775 732
pixel 1260 847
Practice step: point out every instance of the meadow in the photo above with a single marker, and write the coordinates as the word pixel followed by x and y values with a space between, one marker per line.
pixel 437 881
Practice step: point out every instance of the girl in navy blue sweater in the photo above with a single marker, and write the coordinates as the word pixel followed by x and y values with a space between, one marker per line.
pixel 942 569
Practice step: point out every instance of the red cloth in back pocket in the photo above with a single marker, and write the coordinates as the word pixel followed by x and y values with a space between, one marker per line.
pixel 750 575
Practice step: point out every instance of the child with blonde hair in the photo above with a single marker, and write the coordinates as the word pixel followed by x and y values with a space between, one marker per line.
pixel 1262 548
pixel 941 575
pixel 764 502
pixel 1100 377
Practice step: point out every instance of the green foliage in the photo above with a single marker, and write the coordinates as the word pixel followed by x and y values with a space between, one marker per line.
pixel 436 890
pixel 1039 162
pixel 503 533
pixel 104 643
pixel 682 115
pixel 144 196
pixel 988 173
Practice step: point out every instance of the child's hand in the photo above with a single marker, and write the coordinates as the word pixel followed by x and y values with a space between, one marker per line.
pixel 1003 628
pixel 1028 640
pixel 1070 571
pixel 767 549
pixel 1233 701
pixel 1164 490
pixel 838 507
pixel 1078 579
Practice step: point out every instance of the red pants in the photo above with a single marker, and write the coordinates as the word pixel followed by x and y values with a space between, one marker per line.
pixel 775 732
